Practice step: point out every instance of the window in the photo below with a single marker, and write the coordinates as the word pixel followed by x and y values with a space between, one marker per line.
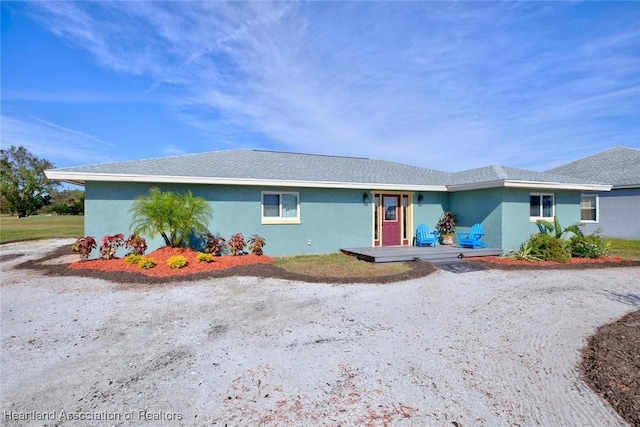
pixel 390 209
pixel 589 208
pixel 280 208
pixel 541 206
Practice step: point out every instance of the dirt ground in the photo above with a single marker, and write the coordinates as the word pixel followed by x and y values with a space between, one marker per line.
pixel 256 345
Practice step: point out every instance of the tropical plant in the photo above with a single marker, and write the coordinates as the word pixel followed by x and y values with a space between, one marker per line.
pixel 171 215
pixel 446 224
pixel 84 246
pixel 556 230
pixel 176 261
pixel 137 245
pixel 237 244
pixel 549 248
pixel 256 243
pixel 109 245
pixel 214 244
pixel 523 253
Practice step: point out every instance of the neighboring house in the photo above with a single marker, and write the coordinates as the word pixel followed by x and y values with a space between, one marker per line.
pixel 305 203
pixel 615 213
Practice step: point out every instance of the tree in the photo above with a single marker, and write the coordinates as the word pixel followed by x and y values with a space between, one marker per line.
pixel 23 184
pixel 171 215
pixel 67 202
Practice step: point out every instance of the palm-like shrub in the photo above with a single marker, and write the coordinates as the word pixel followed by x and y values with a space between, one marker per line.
pixel 556 230
pixel 173 216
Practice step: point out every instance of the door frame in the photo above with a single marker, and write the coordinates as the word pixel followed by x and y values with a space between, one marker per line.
pixel 405 216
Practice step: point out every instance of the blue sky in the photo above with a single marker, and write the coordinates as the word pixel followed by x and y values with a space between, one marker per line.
pixel 444 85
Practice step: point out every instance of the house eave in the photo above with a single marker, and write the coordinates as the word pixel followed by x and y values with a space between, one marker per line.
pixel 626 186
pixel 529 184
pixel 79 178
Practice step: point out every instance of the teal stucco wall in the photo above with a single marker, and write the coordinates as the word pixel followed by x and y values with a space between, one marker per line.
pixel 478 206
pixel 504 213
pixel 429 211
pixel 516 224
pixel 330 218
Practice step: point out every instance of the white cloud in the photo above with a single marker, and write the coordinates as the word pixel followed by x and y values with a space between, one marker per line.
pixel 424 83
pixel 60 145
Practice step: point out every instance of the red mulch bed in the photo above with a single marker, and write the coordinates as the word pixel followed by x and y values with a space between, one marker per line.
pixel 116 270
pixel 163 270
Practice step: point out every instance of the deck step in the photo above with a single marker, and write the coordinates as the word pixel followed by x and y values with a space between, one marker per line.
pixel 439 254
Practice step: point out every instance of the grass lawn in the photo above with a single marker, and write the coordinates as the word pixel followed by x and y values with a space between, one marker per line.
pixel 14 229
pixel 337 265
pixel 625 248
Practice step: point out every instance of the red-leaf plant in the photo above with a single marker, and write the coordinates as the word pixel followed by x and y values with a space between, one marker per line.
pixel 137 245
pixel 214 244
pixel 110 244
pixel 84 246
pixel 256 243
pixel 237 244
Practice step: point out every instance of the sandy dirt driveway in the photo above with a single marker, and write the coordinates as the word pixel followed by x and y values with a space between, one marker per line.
pixel 490 348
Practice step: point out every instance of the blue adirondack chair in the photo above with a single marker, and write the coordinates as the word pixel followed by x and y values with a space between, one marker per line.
pixel 424 238
pixel 472 238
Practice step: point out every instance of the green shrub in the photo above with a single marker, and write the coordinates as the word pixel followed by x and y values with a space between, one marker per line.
pixel 176 261
pixel 523 253
pixel 133 259
pixel 592 246
pixel 146 263
pixel 203 257
pixel 549 248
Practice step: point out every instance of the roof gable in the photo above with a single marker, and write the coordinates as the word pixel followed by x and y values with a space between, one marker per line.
pixel 490 175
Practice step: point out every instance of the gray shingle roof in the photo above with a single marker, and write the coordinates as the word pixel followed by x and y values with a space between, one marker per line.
pixel 300 168
pixel 619 166
pixel 271 165
pixel 499 173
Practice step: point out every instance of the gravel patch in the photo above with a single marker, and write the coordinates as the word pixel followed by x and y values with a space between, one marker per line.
pixel 481 348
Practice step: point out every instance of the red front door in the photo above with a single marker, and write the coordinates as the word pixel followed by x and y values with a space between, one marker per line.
pixel 391 220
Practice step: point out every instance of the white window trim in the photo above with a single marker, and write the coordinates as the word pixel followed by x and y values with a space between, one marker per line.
pixel 280 219
pixel 553 207
pixel 597 220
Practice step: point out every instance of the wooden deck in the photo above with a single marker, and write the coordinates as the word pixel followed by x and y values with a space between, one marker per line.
pixel 438 254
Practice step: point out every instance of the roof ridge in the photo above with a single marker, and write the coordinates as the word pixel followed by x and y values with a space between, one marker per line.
pixel 310 154
pixel 499 171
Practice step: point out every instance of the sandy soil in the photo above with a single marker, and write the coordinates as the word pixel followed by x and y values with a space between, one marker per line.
pixel 482 348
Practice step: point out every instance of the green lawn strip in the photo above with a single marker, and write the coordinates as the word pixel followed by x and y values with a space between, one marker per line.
pixel 625 248
pixel 14 229
pixel 337 265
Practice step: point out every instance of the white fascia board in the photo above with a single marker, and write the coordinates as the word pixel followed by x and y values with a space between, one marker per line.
pixel 558 185
pixel 530 184
pixel 79 178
